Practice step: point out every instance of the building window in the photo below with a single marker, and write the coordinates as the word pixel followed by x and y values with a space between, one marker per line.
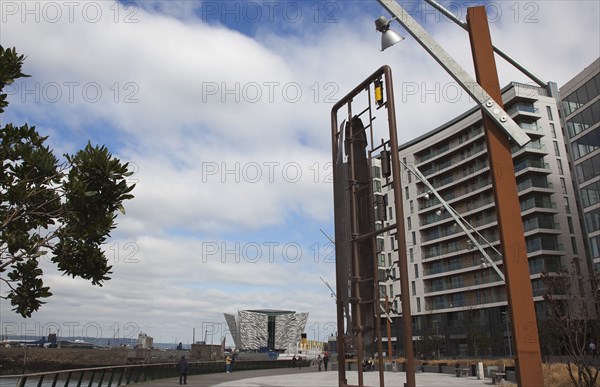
pixel 567 205
pixel 380 244
pixel 556 149
pixel 560 167
pixel 595 247
pixel 376 186
pixel 563 185
pixel 553 130
pixel 406 193
pixel 381 260
pixel 416 271
pixel 382 291
pixel 411 254
pixel 583 120
pixel 570 222
pixel 413 285
pixel 391 213
pixel 549 112
pixel 412 207
pixel 409 223
pixel 391 291
pixel 418 304
pixel 574 245
pixel 414 238
pixel 376 172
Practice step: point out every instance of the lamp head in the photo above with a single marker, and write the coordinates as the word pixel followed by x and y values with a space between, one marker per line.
pixel 388 37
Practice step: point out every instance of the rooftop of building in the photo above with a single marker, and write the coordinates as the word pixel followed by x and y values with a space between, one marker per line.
pixel 475 109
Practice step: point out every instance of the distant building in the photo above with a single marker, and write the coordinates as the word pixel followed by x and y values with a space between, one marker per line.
pixel 266 329
pixel 203 351
pixel 145 341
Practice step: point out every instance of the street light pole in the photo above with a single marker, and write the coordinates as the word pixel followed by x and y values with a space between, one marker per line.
pixel 496 121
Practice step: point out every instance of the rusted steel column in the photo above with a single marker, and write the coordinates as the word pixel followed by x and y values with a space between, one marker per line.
pixel 514 253
pixel 400 234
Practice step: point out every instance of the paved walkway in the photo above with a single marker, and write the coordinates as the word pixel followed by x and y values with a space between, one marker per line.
pixel 310 378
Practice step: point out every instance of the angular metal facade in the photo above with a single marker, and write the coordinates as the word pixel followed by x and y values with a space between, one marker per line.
pixel 250 329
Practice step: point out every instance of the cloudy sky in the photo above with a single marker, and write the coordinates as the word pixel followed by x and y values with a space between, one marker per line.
pixel 222 109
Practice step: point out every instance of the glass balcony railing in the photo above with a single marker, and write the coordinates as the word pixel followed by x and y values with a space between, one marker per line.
pixel 531 164
pixel 522 107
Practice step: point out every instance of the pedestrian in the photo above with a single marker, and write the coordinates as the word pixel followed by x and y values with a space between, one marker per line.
pixel 228 364
pixel 319 362
pixel 294 361
pixel 325 360
pixel 592 348
pixel 183 370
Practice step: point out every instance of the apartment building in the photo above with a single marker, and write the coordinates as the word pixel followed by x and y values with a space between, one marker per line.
pixel 458 301
pixel 581 123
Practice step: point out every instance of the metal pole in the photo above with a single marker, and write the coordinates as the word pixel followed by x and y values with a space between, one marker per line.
pixel 514 253
pixel 400 233
pixel 444 59
pixel 459 220
pixel 497 50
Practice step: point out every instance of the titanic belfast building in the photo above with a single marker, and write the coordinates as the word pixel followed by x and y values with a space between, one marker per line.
pixel 275 330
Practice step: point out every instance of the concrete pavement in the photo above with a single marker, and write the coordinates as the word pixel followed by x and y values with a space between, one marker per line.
pixel 308 377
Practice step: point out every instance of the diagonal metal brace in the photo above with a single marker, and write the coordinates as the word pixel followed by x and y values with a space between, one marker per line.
pixel 474 89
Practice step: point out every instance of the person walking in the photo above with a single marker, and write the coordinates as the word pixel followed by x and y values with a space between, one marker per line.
pixel 319 362
pixel 294 361
pixel 182 366
pixel 228 364
pixel 325 360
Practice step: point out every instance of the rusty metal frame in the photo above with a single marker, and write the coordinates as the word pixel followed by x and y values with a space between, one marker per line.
pixel 386 73
pixel 514 253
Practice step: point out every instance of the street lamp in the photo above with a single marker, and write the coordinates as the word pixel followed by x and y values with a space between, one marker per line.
pixel 388 36
pixel 495 120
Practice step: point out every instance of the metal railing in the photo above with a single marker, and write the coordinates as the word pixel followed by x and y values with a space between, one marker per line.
pixel 122 375
pixel 96 376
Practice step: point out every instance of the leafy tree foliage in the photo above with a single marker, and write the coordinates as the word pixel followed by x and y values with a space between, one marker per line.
pixel 62 210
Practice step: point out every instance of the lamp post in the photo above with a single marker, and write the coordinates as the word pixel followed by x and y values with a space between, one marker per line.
pixel 496 121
